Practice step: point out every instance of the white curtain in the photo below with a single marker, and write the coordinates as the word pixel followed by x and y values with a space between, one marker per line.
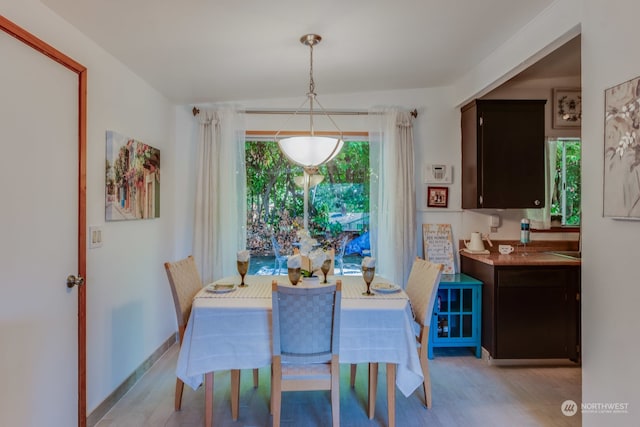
pixel 393 196
pixel 541 218
pixel 220 211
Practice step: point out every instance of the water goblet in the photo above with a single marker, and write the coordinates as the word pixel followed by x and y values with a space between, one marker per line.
pixel 326 265
pixel 243 267
pixel 367 275
pixel 294 275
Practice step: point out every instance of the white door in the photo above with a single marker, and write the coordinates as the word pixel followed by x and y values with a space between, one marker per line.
pixel 38 238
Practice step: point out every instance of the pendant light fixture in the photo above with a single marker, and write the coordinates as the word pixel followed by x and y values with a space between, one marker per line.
pixel 311 151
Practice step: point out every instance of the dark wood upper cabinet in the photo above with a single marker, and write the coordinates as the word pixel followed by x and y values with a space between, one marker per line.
pixel 503 154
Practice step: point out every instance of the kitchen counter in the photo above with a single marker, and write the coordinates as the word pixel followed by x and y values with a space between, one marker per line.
pixel 530 259
pixel 537 253
pixel 530 303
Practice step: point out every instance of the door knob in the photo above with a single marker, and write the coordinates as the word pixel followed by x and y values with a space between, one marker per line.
pixel 74 281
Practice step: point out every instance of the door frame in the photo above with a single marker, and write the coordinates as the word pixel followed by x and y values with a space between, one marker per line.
pixel 54 54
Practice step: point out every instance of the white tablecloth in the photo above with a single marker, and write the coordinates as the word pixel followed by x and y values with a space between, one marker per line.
pixel 233 330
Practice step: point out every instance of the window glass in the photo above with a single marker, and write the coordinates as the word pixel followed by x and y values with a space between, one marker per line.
pixel 338 205
pixel 565 205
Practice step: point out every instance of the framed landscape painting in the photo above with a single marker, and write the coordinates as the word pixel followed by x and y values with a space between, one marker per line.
pixel 132 189
pixel 622 151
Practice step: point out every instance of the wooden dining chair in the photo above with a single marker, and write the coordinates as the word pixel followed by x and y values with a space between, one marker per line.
pixel 306 328
pixel 422 289
pixel 185 284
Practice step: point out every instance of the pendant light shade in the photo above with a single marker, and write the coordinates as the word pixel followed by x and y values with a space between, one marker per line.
pixel 311 151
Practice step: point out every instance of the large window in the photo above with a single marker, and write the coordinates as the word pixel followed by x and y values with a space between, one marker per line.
pixel 338 205
pixel 565 205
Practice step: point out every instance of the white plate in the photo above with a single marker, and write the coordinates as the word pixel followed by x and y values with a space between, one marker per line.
pixel 385 288
pixel 221 288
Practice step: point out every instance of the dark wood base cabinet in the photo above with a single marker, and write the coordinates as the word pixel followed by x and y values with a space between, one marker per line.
pixel 529 312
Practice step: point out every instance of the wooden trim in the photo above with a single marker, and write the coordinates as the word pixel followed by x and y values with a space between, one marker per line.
pixel 39 45
pixel 272 133
pixel 51 52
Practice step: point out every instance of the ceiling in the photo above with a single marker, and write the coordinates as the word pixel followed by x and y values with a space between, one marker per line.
pixel 200 51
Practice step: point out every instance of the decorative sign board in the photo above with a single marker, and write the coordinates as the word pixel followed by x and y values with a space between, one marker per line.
pixel 437 243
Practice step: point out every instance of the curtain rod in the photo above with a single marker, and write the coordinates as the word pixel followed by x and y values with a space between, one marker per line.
pixel 414 113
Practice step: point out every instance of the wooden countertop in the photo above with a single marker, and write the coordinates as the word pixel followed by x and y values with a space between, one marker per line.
pixel 536 254
pixel 532 258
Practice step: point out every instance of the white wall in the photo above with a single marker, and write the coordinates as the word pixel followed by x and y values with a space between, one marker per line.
pixel 129 305
pixel 609 280
pixel 610 290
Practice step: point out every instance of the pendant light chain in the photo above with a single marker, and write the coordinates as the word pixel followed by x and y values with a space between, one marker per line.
pixel 311 151
pixel 312 88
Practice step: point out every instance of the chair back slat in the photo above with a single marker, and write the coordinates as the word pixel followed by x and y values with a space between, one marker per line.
pixel 185 284
pixel 422 288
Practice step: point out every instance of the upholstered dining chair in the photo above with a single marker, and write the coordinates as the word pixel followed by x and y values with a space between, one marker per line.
pixel 422 289
pixel 185 283
pixel 306 328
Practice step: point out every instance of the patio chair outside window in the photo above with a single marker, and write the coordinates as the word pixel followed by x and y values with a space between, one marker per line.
pixel 280 258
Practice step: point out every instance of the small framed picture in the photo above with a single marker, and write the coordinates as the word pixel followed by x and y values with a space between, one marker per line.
pixel 567 108
pixel 437 197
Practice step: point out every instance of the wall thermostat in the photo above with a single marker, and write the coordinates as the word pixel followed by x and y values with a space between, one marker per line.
pixel 437 174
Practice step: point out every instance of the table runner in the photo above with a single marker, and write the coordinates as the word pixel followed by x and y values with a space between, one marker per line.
pixel 352 288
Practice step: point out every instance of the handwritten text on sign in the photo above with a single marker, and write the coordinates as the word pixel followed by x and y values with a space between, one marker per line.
pixel 438 245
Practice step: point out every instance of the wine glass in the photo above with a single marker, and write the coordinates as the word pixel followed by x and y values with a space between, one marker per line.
pixel 326 265
pixel 367 275
pixel 294 275
pixel 243 267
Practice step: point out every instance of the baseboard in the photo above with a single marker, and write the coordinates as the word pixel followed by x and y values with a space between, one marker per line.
pixel 96 415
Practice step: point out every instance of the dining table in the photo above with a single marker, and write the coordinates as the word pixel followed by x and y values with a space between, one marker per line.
pixel 229 328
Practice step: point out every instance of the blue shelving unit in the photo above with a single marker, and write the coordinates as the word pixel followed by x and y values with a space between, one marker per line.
pixel 457 314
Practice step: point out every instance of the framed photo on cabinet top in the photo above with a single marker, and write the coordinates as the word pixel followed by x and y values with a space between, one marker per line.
pixel 437 197
pixel 567 108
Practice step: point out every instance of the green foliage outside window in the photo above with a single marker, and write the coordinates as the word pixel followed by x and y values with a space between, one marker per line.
pixel 275 203
pixel 567 205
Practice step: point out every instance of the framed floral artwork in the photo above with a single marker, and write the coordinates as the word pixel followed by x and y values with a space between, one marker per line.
pixel 567 108
pixel 622 151
pixel 437 197
pixel 132 188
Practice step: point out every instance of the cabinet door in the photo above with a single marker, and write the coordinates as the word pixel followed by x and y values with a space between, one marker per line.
pixel 503 148
pixel 533 314
pixel 532 323
pixel 511 146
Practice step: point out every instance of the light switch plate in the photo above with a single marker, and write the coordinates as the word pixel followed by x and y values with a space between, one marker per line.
pixel 95 237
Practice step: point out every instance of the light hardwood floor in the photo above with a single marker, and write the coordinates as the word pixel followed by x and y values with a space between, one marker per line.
pixel 466 392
